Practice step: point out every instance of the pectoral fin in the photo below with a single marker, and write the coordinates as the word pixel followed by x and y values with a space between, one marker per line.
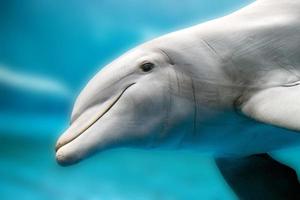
pixel 260 177
pixel 279 106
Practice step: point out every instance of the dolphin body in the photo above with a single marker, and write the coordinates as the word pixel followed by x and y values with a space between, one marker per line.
pixel 229 87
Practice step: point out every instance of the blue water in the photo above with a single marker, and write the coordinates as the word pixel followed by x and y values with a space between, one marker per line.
pixel 48 51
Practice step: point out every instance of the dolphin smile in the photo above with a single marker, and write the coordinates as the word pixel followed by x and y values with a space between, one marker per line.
pixel 61 143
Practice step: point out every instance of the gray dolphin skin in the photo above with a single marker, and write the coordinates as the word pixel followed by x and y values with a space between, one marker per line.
pixel 229 87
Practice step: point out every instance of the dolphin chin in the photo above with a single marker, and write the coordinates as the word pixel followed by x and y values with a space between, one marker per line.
pixel 66 160
pixel 62 157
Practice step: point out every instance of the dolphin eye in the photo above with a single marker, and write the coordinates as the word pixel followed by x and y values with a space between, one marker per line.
pixel 146 67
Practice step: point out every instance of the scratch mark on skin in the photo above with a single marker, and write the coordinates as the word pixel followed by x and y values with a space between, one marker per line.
pixel 289 68
pixel 168 106
pixel 291 84
pixel 211 48
pixel 177 81
pixel 165 53
pixel 195 108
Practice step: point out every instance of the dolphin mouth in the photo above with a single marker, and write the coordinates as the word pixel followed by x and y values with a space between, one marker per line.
pixel 61 143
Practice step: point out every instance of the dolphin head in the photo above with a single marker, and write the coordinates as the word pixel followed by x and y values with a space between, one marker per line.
pixel 138 100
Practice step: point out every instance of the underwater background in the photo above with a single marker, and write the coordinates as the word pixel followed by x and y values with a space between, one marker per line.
pixel 49 49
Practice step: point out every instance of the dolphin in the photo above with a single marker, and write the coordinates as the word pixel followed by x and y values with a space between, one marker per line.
pixel 229 87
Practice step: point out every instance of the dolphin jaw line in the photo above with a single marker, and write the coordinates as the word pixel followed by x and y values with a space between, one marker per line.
pixel 93 121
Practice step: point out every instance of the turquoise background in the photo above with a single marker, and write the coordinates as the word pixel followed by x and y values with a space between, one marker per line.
pixel 49 49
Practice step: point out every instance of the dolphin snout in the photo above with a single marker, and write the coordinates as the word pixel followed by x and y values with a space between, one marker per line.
pixel 65 158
